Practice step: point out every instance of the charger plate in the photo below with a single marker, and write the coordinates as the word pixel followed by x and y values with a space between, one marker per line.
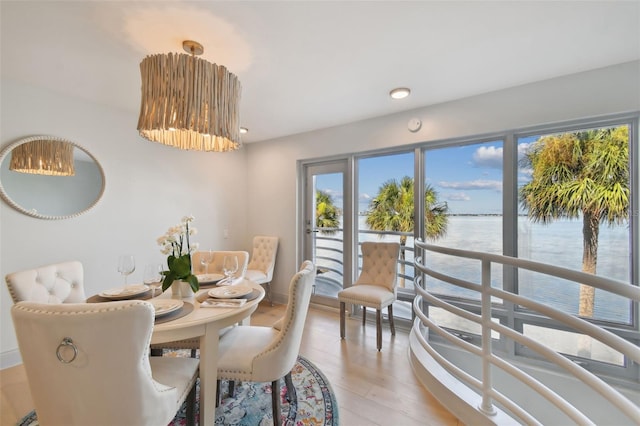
pixel 205 279
pixel 230 292
pixel 127 292
pixel 166 306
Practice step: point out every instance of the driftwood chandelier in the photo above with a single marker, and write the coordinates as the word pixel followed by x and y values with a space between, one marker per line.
pixel 43 157
pixel 189 103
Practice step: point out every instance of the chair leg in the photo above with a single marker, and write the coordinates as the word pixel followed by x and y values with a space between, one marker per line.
pixel 290 389
pixel 269 295
pixel 218 396
pixel 191 406
pixel 275 402
pixel 379 329
pixel 193 353
pixel 232 388
pixel 391 324
pixel 342 320
pixel 364 315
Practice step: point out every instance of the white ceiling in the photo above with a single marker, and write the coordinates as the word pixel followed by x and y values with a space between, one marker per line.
pixel 310 65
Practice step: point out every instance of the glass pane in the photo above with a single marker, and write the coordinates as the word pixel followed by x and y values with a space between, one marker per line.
pixel 385 213
pixel 449 320
pixel 575 344
pixel 327 233
pixel 574 212
pixel 385 207
pixel 466 182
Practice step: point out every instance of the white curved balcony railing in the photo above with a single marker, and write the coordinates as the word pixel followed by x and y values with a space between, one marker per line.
pixel 491 398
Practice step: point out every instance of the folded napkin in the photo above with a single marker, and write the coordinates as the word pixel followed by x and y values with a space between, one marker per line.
pixel 222 303
pixel 233 281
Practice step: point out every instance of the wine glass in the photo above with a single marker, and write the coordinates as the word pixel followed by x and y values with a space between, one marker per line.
pixel 206 257
pixel 230 266
pixel 153 276
pixel 126 266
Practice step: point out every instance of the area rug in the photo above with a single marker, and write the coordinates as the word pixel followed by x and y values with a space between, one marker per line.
pixel 314 404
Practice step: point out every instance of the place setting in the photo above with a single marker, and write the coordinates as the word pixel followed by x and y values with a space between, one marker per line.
pixel 165 309
pixel 207 279
pixel 227 296
pixel 126 266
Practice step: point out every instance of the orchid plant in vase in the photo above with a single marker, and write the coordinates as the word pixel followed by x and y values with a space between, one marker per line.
pixel 176 244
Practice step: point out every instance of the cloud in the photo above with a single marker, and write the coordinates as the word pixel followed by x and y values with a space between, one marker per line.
pixel 491 156
pixel 457 196
pixel 365 196
pixel 477 184
pixel 522 149
pixel 488 156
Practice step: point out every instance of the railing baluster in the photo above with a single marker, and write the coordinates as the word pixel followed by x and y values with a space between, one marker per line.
pixel 487 402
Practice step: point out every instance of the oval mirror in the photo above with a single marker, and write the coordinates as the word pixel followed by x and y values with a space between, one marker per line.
pixel 50 178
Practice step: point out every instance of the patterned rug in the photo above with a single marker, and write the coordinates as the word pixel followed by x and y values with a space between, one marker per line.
pixel 315 402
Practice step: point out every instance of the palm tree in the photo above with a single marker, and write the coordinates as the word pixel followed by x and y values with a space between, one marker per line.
pixel 580 174
pixel 392 210
pixel 327 214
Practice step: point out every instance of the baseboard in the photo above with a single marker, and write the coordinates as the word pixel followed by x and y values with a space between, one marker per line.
pixel 10 358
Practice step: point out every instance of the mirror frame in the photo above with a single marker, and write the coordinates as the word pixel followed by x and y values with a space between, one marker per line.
pixel 3 194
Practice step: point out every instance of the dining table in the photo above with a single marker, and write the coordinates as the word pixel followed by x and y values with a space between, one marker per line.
pixel 204 322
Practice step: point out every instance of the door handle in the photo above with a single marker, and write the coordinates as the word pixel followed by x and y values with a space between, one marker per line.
pixel 311 230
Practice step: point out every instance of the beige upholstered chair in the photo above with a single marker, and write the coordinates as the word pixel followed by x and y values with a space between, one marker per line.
pixel 263 260
pixel 375 287
pixel 55 283
pixel 89 364
pixel 215 267
pixel 267 354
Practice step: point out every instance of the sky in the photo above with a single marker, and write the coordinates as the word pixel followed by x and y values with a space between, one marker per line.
pixel 468 178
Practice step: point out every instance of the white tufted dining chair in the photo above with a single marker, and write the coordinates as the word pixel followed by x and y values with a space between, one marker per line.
pixel 267 354
pixel 263 260
pixel 89 364
pixel 375 287
pixel 55 283
pixel 215 267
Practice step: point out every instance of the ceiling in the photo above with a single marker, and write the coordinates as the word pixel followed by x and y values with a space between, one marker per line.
pixel 311 65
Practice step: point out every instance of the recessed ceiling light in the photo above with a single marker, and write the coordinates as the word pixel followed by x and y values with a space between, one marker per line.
pixel 244 130
pixel 400 93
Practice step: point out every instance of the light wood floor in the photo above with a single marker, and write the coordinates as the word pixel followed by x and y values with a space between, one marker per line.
pixel 372 388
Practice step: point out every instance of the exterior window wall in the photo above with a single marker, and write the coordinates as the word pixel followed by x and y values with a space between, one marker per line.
pixel 485 195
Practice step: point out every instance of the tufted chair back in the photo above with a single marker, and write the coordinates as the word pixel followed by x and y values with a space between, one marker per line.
pixel 280 355
pixel 263 256
pixel 89 364
pixel 55 283
pixel 379 264
pixel 215 267
pixel 262 354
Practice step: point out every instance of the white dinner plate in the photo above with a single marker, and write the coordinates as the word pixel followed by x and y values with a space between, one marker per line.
pixel 209 278
pixel 166 306
pixel 230 292
pixel 125 292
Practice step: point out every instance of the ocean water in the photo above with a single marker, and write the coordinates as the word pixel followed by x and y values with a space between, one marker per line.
pixel 559 243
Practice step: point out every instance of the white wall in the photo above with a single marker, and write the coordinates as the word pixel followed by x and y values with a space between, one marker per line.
pixel 149 187
pixel 271 166
pixel 253 191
